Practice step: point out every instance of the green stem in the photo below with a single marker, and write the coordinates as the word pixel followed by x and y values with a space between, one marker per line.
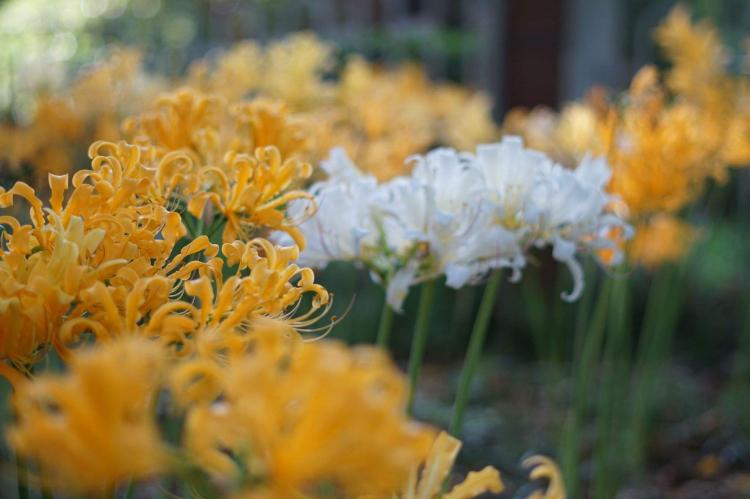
pixel 194 480
pixel 187 221
pixel 557 329
pixel 741 369
pixel 21 477
pixel 588 341
pixel 659 322
pixel 218 223
pixel 197 228
pixel 644 369
pixel 609 454
pixel 384 326
pixel 130 492
pixel 536 308
pixel 419 340
pixel 474 352
pixel 583 312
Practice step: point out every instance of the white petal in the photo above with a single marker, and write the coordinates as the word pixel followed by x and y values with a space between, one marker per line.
pixel 563 249
pixel 456 276
pixel 576 271
pixel 398 287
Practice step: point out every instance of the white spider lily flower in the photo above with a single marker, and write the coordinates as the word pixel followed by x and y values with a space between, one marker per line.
pixel 511 174
pixel 398 285
pixel 403 212
pixel 453 177
pixel 489 247
pixel 428 218
pixel 338 166
pixel 341 225
pixel 461 215
pixel 546 204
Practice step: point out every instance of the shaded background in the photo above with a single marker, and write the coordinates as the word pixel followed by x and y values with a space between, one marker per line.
pixel 523 53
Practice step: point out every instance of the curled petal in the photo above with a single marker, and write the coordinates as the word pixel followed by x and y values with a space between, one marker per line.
pixel 564 251
pixel 543 468
pixel 578 284
pixel 398 287
pixel 58 185
pixel 477 483
pixel 196 381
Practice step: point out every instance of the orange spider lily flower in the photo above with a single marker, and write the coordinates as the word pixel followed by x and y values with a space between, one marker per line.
pixel 279 424
pixel 93 427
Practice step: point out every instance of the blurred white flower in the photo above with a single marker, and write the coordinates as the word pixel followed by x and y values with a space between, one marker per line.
pixel 459 215
pixel 545 204
pixel 341 224
pixel 427 218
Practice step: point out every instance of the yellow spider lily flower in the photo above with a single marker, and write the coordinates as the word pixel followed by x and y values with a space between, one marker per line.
pixel 264 122
pixel 437 468
pixel 184 120
pixel 107 228
pixel 277 283
pixel 662 239
pixel 251 192
pixel 93 427
pixel 267 286
pixel 206 126
pixel 294 69
pixel 41 272
pixel 664 141
pixel 545 469
pixel 282 431
pixel 230 156
pixel 89 108
pixel 661 156
pixel 233 75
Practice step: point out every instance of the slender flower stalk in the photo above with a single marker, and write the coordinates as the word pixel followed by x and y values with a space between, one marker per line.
pixel 659 324
pixel 419 340
pixel 385 325
pixel 130 491
pixel 21 478
pixel 740 381
pixel 589 337
pixel 536 313
pixel 474 351
pixel 609 451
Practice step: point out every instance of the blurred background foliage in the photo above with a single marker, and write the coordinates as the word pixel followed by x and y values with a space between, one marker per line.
pixel 475 42
pixel 541 52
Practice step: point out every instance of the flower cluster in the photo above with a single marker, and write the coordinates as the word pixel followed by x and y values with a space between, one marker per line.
pixel 461 215
pixel 242 158
pixel 66 121
pixel 382 117
pixel 262 422
pixel 664 140
pixel 152 275
pixel 167 281
pixel 108 255
pixel 379 116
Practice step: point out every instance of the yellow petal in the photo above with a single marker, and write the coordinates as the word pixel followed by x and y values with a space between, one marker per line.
pixel 476 483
